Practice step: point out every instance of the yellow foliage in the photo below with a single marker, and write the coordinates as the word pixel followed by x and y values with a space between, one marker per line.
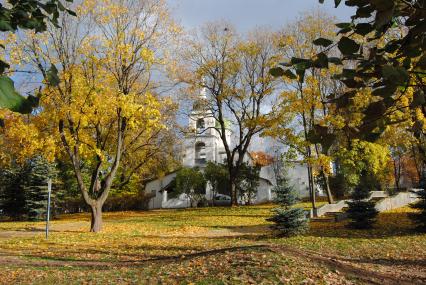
pixel 21 139
pixel 364 156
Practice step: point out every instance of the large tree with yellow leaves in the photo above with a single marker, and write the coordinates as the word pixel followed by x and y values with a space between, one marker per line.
pixel 105 113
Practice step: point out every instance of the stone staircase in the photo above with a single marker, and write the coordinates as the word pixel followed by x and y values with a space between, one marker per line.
pixel 337 212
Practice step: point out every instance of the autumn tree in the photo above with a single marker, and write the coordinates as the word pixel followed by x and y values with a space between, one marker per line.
pixel 234 71
pixel 382 52
pixel 363 159
pixel 400 142
pixel 303 99
pixel 105 112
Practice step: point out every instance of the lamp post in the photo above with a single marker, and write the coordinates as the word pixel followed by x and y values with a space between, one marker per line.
pixel 49 191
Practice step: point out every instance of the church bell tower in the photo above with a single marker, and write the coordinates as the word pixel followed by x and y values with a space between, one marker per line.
pixel 203 142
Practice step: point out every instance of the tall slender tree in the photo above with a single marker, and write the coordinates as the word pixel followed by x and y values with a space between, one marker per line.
pixel 303 99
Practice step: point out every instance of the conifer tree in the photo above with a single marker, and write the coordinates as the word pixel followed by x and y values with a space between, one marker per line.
pixel 420 217
pixel 12 195
pixel 39 171
pixel 361 212
pixel 288 220
pixel 23 189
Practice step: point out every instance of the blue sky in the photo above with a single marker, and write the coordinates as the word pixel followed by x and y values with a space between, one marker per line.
pixel 248 14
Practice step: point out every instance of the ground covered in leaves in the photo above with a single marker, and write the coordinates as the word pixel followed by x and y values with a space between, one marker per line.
pixel 210 246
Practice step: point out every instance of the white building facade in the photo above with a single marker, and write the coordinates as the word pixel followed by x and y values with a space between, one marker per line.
pixel 203 143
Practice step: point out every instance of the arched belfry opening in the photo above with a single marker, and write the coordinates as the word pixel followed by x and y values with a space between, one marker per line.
pixel 201 125
pixel 200 152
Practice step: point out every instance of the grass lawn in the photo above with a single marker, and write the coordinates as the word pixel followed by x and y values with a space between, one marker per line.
pixel 209 246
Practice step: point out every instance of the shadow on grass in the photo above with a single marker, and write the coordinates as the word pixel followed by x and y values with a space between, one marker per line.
pixel 43 261
pixel 388 261
pixel 389 224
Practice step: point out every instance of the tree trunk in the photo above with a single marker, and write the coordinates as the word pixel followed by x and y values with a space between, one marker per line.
pixel 311 187
pixel 396 174
pixel 327 188
pixel 234 200
pixel 310 177
pixel 96 221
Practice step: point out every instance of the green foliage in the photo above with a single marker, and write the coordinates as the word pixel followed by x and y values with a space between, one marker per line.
pixel 29 15
pixel 390 66
pixel 338 186
pixel 190 181
pixel 322 42
pixel 248 182
pixel 363 156
pixel 39 170
pixel 420 217
pixel 285 194
pixel 127 202
pixel 12 100
pixel 348 46
pixel 288 221
pixel 23 189
pixel 218 178
pixel 362 213
pixel 12 195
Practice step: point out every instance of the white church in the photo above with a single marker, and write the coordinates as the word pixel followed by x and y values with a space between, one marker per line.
pixel 203 145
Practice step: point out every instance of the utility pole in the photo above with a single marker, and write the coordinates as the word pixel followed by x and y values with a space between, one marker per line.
pixel 49 191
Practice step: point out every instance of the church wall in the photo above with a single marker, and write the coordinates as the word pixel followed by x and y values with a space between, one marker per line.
pixel 298 176
pixel 155 186
pixel 264 192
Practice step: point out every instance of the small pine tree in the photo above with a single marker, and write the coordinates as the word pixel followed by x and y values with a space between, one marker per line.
pixel 420 217
pixel 39 170
pixel 362 213
pixel 12 194
pixel 288 221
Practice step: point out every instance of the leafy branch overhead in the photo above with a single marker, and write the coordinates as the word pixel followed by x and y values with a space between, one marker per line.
pixel 27 15
pixel 382 50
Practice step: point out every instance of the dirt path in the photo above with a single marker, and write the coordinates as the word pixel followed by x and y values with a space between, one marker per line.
pixel 53 227
pixel 346 267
